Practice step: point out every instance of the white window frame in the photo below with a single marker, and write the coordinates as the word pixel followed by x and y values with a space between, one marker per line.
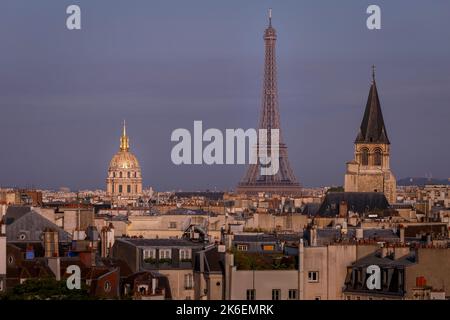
pixel 313 276
pixel 251 293
pixel 293 294
pixel 189 281
pixel 165 253
pixel 276 293
pixel 149 253
pixel 185 254
pixel 242 247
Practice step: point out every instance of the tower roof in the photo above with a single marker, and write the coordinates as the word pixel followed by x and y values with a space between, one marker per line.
pixel 372 128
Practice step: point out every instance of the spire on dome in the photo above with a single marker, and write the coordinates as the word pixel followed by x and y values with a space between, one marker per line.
pixel 124 141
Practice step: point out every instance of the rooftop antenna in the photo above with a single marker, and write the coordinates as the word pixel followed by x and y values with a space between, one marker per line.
pixel 270 17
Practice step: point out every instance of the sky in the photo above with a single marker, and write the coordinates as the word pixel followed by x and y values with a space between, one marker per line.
pixel 161 64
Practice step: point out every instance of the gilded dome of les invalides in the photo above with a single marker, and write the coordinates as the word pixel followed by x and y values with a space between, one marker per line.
pixel 124 181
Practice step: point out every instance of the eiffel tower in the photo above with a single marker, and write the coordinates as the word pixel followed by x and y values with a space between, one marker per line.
pixel 284 181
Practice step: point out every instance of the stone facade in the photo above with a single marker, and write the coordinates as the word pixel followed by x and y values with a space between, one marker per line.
pixel 373 175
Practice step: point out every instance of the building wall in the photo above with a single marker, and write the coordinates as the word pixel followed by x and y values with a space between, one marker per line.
pixel 269 222
pixel 263 282
pixel 315 260
pixel 2 263
pixel 434 265
pixel 177 283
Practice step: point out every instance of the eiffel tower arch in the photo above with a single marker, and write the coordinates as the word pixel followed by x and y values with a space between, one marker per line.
pixel 284 181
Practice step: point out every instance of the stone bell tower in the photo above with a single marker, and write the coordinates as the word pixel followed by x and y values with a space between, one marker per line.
pixel 369 171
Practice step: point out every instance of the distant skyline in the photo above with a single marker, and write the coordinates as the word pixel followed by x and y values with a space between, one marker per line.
pixel 162 64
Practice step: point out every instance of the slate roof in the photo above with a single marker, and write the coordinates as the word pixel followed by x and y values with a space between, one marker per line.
pixel 214 260
pixel 15 212
pixel 255 238
pixel 359 202
pixel 31 225
pixel 160 242
pixel 376 259
pixel 372 128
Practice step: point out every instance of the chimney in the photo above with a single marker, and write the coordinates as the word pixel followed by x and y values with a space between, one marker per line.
pixel 402 234
pixel 51 243
pixel 400 252
pixel 343 209
pixel 359 233
pixel 54 263
pixel 154 285
pixel 313 236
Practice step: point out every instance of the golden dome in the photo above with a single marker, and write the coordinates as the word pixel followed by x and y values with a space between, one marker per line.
pixel 124 160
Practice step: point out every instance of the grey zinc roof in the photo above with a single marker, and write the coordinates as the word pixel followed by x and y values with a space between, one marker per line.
pixel 255 238
pixel 15 212
pixel 376 259
pixel 31 225
pixel 160 242
pixel 360 202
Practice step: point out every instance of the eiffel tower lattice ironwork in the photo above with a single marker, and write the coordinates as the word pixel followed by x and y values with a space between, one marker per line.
pixel 284 181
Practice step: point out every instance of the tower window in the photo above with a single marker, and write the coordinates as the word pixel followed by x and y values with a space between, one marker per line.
pixel 114 174
pixel 128 189
pixel 365 157
pixel 120 174
pixel 128 175
pixel 377 158
pixel 120 188
pixel 135 175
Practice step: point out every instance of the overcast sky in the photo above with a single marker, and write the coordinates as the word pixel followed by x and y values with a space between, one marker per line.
pixel 163 64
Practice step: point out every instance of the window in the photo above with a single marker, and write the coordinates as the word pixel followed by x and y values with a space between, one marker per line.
pixel 268 247
pixel 185 254
pixel 114 174
pixel 120 188
pixel 377 158
pixel 188 281
pixel 128 189
pixel 165 253
pixel 129 174
pixel 107 286
pixel 149 253
pixel 242 247
pixel 293 294
pixel 276 294
pixel 313 276
pixel 135 175
pixel 365 157
pixel 10 259
pixel 112 188
pixel 120 174
pixel 251 294
pixel 172 225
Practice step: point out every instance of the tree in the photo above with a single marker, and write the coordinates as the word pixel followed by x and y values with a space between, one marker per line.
pixel 46 289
